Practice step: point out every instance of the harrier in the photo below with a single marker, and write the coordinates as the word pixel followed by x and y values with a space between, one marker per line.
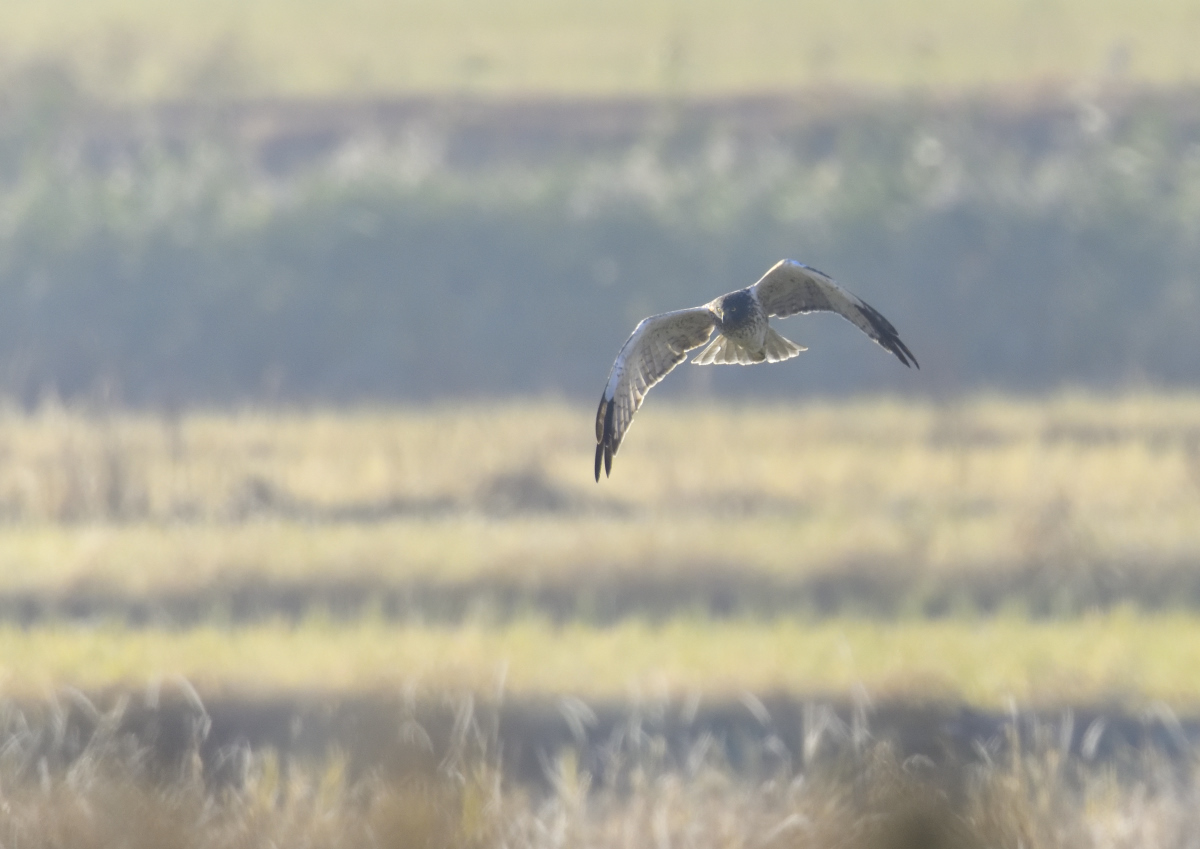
pixel 744 336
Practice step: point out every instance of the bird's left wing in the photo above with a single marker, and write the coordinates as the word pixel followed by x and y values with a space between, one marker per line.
pixel 658 344
pixel 791 288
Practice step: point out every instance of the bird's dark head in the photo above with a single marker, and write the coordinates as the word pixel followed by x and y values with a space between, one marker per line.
pixel 737 306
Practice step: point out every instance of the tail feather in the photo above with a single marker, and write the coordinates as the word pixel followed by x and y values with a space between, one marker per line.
pixel 779 348
pixel 725 351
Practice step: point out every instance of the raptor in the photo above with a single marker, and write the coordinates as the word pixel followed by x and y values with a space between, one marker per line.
pixel 744 336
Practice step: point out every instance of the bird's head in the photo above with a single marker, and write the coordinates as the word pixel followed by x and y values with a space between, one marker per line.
pixel 736 306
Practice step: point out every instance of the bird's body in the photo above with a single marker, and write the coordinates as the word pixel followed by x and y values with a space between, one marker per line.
pixel 741 318
pixel 744 336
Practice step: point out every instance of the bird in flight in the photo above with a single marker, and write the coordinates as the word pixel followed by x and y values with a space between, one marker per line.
pixel 744 336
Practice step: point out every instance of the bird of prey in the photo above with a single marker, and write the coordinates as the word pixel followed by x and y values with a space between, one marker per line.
pixel 744 336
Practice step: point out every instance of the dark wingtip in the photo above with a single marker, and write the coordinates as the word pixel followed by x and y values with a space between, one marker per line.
pixel 888 336
pixel 608 438
pixel 601 431
pixel 604 436
pixel 600 420
pixel 901 351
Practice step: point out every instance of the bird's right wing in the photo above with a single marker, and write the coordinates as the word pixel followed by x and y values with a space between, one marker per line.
pixel 658 344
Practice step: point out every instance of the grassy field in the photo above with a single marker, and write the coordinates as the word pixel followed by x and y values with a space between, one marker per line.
pixel 868 800
pixel 444 545
pixel 133 49
pixel 353 627
pixel 1095 499
pixel 1119 658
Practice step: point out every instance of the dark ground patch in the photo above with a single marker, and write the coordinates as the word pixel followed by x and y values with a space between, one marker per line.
pixel 604 593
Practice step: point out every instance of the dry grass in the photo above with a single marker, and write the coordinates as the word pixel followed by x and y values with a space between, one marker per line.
pixel 986 487
pixel 1070 490
pixel 144 504
pixel 865 798
pixel 138 49
pixel 106 800
pixel 1122 657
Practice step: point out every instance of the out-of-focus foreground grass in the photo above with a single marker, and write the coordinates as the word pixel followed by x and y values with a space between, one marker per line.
pixel 133 49
pixel 868 799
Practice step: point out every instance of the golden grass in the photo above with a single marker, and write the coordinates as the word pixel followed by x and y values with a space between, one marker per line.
pixel 104 801
pixel 1132 658
pixel 148 504
pixel 144 504
pixel 139 49
pixel 868 799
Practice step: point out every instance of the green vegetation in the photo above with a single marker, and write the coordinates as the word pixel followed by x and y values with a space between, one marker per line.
pixel 147 264
pixel 135 49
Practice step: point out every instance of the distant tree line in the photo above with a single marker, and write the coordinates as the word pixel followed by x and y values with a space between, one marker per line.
pixel 171 257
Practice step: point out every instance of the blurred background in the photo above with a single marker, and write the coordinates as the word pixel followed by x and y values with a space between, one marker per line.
pixel 211 204
pixel 304 311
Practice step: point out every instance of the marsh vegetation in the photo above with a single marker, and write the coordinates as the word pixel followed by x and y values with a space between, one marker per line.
pixel 302 319
pixel 1062 505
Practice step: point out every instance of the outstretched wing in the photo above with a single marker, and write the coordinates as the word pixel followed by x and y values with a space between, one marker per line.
pixel 791 288
pixel 658 344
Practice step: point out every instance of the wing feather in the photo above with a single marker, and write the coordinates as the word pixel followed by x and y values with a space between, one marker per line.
pixel 791 287
pixel 658 344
